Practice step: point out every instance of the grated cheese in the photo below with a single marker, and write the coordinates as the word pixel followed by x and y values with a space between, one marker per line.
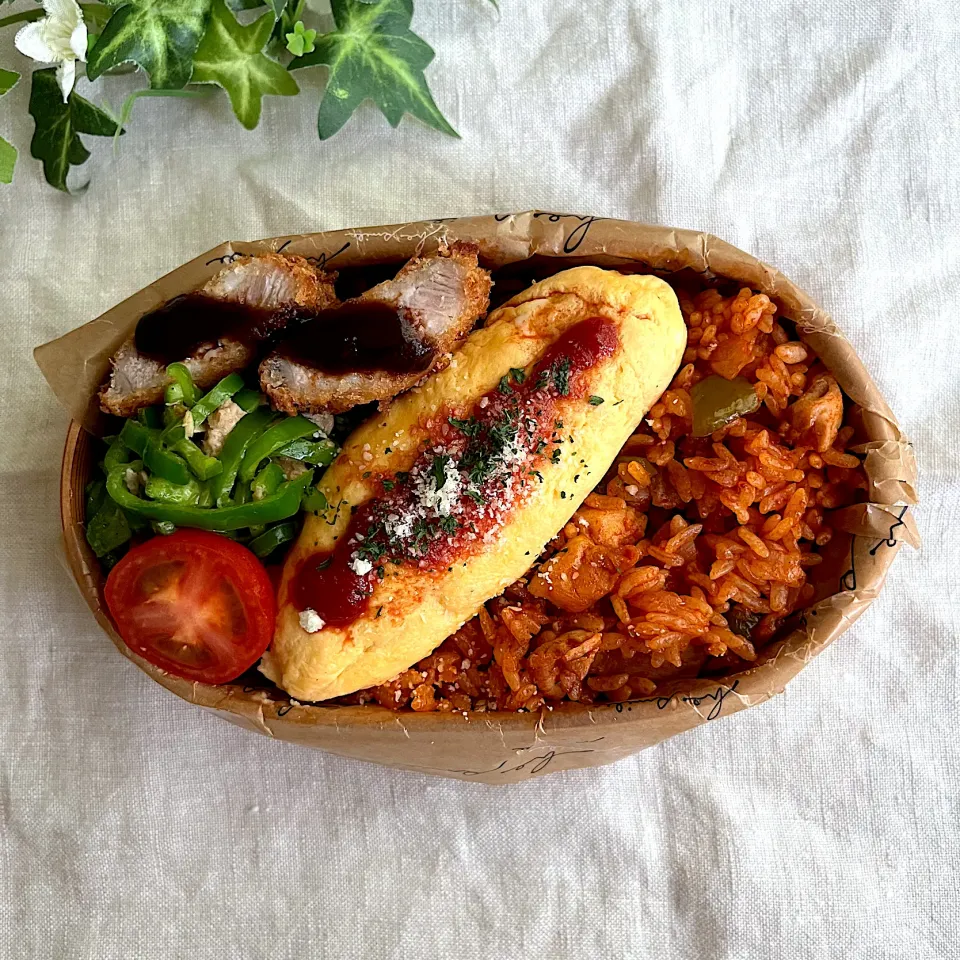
pixel 310 620
pixel 360 566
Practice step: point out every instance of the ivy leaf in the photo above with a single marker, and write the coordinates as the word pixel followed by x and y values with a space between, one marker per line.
pixel 373 54
pixel 161 36
pixel 286 23
pixel 8 160
pixel 301 40
pixel 231 55
pixel 8 80
pixel 96 15
pixel 56 139
pixel 277 6
pixel 8 152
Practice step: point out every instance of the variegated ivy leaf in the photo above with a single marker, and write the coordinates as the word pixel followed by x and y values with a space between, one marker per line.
pixel 8 80
pixel 8 152
pixel 8 160
pixel 231 55
pixel 373 55
pixel 161 36
pixel 55 140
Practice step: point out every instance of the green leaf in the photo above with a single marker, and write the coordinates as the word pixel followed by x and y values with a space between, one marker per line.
pixel 8 80
pixel 8 152
pixel 161 36
pixel 96 14
pixel 230 55
pixel 8 160
pixel 285 24
pixel 108 528
pixel 374 55
pixel 301 40
pixel 55 140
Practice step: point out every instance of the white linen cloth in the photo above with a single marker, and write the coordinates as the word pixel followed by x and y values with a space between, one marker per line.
pixel 823 137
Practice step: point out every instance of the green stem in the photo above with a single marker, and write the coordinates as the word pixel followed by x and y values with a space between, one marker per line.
pixel 98 13
pixel 26 17
pixel 127 108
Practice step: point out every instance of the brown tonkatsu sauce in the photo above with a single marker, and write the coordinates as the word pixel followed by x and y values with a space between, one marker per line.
pixel 356 336
pixel 178 328
pixel 359 336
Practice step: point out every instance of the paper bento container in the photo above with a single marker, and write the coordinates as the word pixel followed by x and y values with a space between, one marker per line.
pixel 508 747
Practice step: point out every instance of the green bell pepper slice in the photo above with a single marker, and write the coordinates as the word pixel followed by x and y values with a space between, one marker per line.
pixel 156 488
pixel 164 464
pixel 247 430
pixel 284 503
pixel 107 529
pixel 145 442
pixel 269 540
pixel 94 494
pixel 248 399
pixel 134 436
pixel 315 501
pixel 116 454
pixel 267 481
pixel 182 389
pixel 320 453
pixel 173 433
pixel 271 440
pixel 203 467
pixel 149 417
pixel 220 394
pixel 173 414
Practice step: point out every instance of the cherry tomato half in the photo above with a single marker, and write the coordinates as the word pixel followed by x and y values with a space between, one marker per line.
pixel 195 604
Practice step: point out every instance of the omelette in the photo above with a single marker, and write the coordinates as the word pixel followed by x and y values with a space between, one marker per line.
pixel 449 494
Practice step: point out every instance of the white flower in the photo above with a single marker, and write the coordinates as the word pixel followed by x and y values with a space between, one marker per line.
pixel 60 37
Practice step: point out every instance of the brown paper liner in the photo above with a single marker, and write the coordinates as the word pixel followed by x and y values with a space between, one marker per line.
pixel 507 747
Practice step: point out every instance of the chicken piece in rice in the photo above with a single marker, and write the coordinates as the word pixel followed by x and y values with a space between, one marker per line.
pixel 579 574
